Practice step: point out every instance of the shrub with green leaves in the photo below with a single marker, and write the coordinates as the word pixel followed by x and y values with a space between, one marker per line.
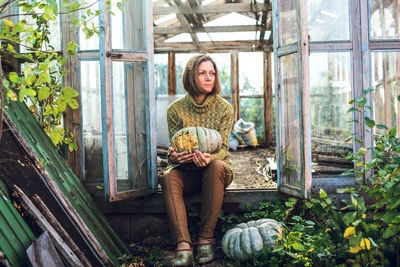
pixel 25 44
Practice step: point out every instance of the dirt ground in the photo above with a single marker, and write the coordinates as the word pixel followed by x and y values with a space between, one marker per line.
pixel 253 168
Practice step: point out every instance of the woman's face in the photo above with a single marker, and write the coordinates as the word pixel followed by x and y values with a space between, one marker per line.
pixel 205 77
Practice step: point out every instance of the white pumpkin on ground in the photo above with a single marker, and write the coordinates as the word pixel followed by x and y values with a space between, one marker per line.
pixel 246 239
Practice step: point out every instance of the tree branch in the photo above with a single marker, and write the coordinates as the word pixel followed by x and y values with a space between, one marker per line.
pixel 59 13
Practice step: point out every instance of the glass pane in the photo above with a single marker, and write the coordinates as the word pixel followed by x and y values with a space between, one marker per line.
pixel 330 90
pixel 161 74
pixel 328 20
pixel 252 110
pixel 290 121
pixel 128 26
pixel 54 31
pixel 287 20
pixel 251 77
pixel 120 127
pixel 180 62
pixel 91 120
pixel 384 19
pixel 223 61
pixel 130 125
pixel 93 42
pixel 385 79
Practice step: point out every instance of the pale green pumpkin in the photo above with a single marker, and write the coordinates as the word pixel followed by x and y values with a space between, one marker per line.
pixel 246 239
pixel 196 138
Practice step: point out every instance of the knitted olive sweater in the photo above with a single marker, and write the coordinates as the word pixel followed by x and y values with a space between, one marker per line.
pixel 214 113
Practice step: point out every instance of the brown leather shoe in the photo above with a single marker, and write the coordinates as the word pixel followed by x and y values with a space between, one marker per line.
pixel 205 252
pixel 183 257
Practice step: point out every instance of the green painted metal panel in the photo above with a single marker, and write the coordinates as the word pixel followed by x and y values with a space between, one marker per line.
pixel 68 182
pixel 15 235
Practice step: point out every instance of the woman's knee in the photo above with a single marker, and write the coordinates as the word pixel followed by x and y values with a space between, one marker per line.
pixel 170 178
pixel 221 170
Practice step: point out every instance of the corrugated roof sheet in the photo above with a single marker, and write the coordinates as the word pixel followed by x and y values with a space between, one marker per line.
pixel 15 235
pixel 67 181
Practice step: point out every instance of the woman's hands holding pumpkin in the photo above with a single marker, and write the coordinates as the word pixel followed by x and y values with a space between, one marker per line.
pixel 179 158
pixel 201 159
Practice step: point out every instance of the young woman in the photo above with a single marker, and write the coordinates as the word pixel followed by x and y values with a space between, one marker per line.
pixel 209 173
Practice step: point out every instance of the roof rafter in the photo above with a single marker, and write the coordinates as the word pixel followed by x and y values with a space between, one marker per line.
pixel 223 8
pixel 178 30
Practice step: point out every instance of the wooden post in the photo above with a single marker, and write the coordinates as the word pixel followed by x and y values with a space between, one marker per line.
pixel 397 60
pixel 60 230
pixel 387 91
pixel 268 119
pixel 44 225
pixel 171 74
pixel 72 119
pixel 235 84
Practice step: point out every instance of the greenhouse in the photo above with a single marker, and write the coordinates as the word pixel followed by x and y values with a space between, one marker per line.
pixel 84 98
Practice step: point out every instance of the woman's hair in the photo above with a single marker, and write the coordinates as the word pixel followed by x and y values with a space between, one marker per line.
pixel 190 74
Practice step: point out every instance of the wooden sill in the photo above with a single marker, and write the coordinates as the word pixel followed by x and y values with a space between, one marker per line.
pixel 235 200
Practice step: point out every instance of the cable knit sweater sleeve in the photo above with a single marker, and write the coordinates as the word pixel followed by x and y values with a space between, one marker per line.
pixel 224 129
pixel 174 122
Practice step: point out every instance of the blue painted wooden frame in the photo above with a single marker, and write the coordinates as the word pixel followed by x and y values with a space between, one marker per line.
pixel 305 127
pixel 111 193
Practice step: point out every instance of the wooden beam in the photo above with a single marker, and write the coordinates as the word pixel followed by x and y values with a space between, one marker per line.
pixel 268 119
pixel 60 230
pixel 72 117
pixel 221 8
pixel 186 24
pixel 178 30
pixel 264 19
pixel 171 74
pixel 212 46
pixel 44 225
pixel 235 84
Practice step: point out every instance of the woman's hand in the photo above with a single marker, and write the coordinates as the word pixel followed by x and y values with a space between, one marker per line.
pixel 201 159
pixel 179 158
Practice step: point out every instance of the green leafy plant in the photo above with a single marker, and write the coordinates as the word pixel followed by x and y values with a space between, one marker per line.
pixel 25 45
pixel 373 231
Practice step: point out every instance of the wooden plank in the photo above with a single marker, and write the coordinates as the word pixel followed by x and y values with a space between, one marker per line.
pixel 186 22
pixel 235 84
pixel 264 19
pixel 79 221
pixel 107 112
pixel 365 65
pixel 304 50
pixel 44 225
pixel 128 56
pixel 72 117
pixel 88 55
pixel 244 28
pixel 211 47
pixel 357 83
pixel 36 145
pixel 151 98
pixel 387 92
pixel 60 230
pixel 339 46
pixel 388 45
pixel 268 119
pixel 206 9
pixel 171 74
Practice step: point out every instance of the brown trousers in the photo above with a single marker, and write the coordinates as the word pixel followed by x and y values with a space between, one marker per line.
pixel 211 181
